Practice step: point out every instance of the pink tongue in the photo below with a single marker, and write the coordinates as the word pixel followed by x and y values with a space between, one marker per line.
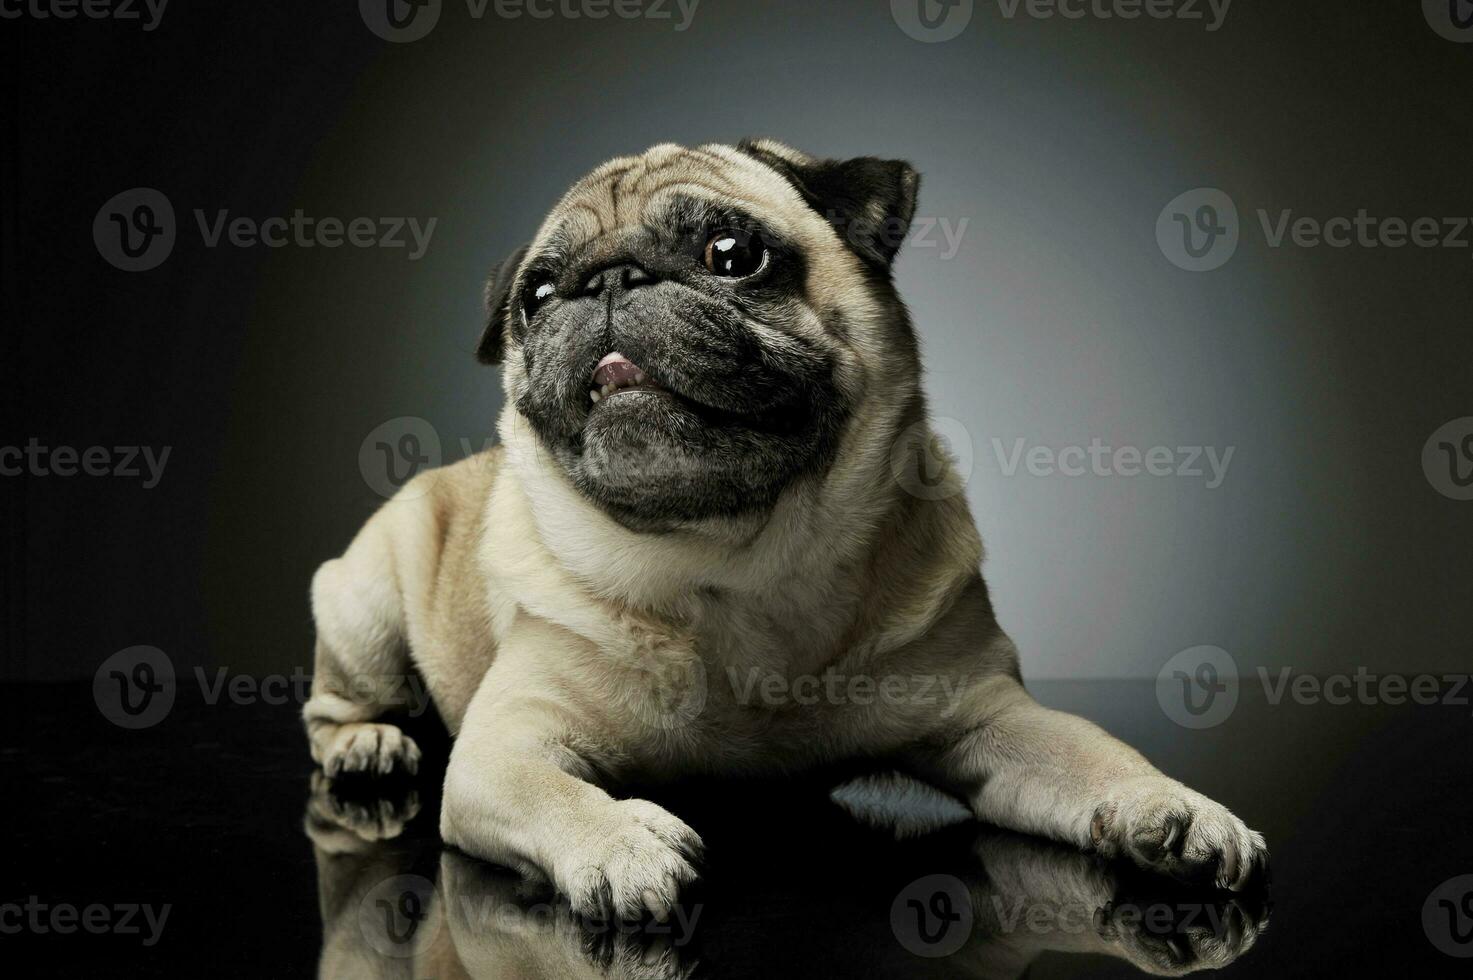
pixel 615 369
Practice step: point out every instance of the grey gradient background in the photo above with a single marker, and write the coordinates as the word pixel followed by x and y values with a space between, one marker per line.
pixel 1058 320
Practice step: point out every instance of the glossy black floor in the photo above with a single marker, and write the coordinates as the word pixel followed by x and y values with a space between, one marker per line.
pixel 211 828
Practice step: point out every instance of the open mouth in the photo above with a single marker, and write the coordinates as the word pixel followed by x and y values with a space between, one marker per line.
pixel 617 374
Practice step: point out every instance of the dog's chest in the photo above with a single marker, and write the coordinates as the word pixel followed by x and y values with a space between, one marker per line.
pixel 766 633
pixel 758 661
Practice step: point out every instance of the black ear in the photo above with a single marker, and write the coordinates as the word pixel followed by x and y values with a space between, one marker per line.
pixel 498 308
pixel 869 201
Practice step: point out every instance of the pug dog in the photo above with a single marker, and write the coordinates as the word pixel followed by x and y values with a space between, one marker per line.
pixel 715 539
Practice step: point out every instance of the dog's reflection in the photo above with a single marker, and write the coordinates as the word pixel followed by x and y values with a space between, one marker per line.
pixel 394 904
pixel 1035 896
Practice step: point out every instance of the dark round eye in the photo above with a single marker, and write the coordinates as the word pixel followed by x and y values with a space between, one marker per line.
pixel 735 254
pixel 537 292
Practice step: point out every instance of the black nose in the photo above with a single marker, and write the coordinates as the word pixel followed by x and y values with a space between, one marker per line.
pixel 619 278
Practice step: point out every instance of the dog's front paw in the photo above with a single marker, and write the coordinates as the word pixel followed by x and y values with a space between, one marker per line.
pixel 638 863
pixel 368 748
pixel 1165 827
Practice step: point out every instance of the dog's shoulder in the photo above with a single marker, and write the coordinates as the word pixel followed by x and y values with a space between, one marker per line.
pixel 457 491
pixel 425 537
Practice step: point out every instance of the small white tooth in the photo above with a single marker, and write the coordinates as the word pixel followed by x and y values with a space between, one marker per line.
pixel 639 377
pixel 595 396
pixel 609 390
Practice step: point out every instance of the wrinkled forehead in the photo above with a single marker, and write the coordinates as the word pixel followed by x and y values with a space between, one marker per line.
pixel 653 190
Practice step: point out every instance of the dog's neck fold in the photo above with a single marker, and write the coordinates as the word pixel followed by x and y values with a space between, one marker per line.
pixel 841 560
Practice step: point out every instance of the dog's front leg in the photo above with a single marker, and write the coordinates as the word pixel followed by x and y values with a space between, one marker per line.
pixel 519 790
pixel 1026 767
